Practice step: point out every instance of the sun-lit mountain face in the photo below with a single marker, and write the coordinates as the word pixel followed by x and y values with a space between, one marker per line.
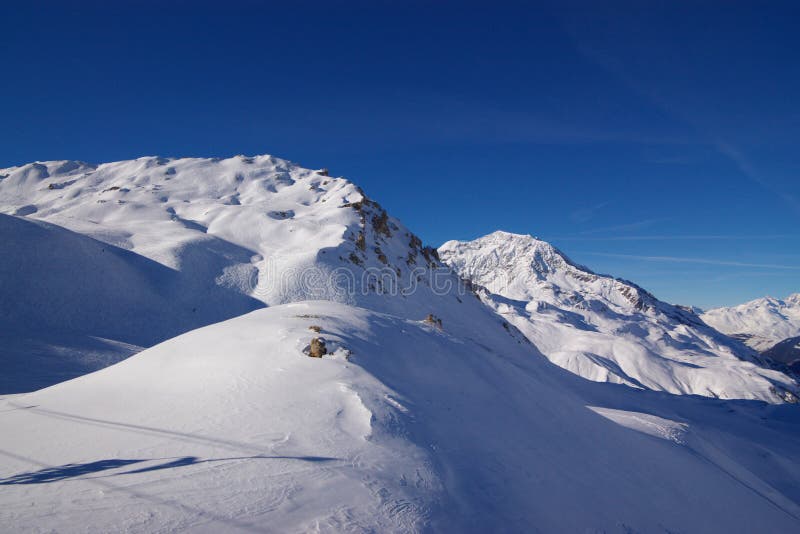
pixel 606 329
pixel 761 323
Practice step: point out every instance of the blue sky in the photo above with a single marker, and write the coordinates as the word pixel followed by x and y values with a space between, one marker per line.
pixel 656 141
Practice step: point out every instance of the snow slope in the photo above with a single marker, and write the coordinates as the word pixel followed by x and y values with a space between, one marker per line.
pixel 223 235
pixel 760 323
pixel 606 329
pixel 405 427
pixel 72 304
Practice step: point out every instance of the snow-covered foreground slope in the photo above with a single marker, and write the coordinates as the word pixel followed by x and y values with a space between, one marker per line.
pixel 404 427
pixel 760 323
pixel 72 305
pixel 223 237
pixel 606 329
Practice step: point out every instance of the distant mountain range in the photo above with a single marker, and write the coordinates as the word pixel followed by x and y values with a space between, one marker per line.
pixel 769 325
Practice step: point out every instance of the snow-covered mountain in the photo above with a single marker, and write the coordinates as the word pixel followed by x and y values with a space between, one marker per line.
pixel 193 241
pixel 760 323
pixel 428 411
pixel 264 231
pixel 606 329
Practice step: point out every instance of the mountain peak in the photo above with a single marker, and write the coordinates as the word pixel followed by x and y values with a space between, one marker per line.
pixel 604 328
pixel 279 216
pixel 761 323
pixel 502 234
pixel 511 264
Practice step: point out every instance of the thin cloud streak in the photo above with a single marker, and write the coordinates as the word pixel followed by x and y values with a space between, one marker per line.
pixel 749 170
pixel 615 66
pixel 587 214
pixel 677 237
pixel 629 226
pixel 703 261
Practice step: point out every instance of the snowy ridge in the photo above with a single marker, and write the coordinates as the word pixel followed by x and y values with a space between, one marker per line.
pixel 237 221
pixel 522 267
pixel 231 234
pixel 606 329
pixel 760 323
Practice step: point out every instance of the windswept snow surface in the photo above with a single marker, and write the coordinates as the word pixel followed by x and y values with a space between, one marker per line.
pixel 405 427
pixel 72 305
pixel 206 239
pixel 760 323
pixel 606 329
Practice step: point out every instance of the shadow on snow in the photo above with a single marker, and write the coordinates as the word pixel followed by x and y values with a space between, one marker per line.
pixel 72 471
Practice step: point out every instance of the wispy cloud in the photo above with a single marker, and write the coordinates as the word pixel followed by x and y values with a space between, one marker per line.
pixel 637 225
pixel 587 214
pixel 703 261
pixel 667 103
pixel 747 168
pixel 676 237
pixel 670 160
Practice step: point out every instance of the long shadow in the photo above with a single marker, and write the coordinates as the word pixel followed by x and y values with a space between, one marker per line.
pixel 73 471
pixel 18 407
pixel 142 429
pixel 230 523
pixel 63 472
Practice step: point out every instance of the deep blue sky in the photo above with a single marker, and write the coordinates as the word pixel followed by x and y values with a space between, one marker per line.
pixel 656 141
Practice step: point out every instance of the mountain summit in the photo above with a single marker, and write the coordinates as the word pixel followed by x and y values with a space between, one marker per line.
pixel 606 329
pixel 761 323
pixel 196 241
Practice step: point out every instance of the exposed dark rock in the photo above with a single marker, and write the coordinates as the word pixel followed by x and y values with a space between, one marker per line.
pixel 380 223
pixel 317 348
pixel 433 320
pixel 431 255
pixel 355 259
